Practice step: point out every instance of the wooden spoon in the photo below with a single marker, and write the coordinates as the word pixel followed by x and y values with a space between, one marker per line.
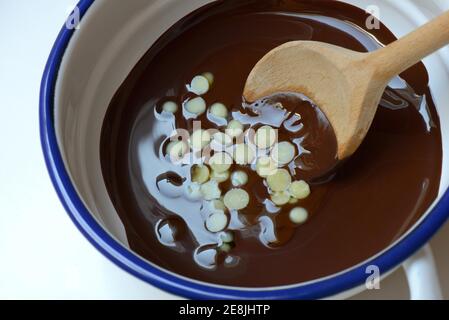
pixel 346 85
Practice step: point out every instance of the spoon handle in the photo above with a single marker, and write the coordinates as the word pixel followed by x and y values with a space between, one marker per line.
pixel 409 50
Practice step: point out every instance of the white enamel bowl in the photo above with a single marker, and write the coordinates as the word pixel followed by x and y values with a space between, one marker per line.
pixel 84 71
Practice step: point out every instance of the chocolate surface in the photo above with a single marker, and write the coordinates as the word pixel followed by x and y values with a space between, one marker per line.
pixel 368 203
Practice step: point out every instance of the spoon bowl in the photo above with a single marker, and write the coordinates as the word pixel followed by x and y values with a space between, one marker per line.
pixel 325 75
pixel 346 85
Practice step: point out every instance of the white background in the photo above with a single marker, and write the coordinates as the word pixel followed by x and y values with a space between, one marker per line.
pixel 42 254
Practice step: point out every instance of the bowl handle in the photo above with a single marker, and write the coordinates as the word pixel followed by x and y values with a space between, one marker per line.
pixel 422 276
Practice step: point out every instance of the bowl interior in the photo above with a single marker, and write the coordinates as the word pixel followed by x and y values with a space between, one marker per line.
pixel 114 35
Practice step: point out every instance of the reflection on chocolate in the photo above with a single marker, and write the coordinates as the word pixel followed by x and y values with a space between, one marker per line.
pixel 370 201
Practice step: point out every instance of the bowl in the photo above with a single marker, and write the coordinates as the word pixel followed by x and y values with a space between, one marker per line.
pixel 97 48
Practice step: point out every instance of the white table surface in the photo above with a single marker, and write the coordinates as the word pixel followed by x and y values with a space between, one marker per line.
pixel 42 254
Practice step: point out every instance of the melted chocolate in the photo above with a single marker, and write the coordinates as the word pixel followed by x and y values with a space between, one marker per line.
pixel 370 201
pixel 297 120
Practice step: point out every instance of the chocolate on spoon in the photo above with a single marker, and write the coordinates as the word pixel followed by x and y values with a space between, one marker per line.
pixel 346 85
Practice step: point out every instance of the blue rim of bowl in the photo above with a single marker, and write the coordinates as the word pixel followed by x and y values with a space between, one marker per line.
pixel 178 285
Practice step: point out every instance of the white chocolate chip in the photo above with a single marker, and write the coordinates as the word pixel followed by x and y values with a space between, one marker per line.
pixel 211 190
pixel 298 215
pixel 199 139
pixel 218 205
pixel 221 141
pixel 283 153
pixel 265 166
pixel 177 150
pixel 217 222
pixel 236 199
pixel 219 110
pixel 196 106
pixel 299 189
pixel 280 181
pixel 200 174
pixel 280 198
pixel 220 162
pixel 170 107
pixel 170 146
pixel 193 192
pixel 199 85
pixel 234 129
pixel 210 77
pixel 265 137
pixel 225 247
pixel 227 237
pixel 239 178
pixel 220 176
pixel 243 154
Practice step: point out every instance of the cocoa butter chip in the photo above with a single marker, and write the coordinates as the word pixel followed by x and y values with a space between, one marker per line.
pixel 243 154
pixel 220 162
pixel 234 129
pixel 200 174
pixel 211 190
pixel 227 237
pixel 265 137
pixel 265 166
pixel 177 150
pixel 210 77
pixel 193 192
pixel 236 199
pixel 239 178
pixel 299 190
pixel 217 222
pixel 199 139
pixel 280 198
pixel 218 205
pixel 219 110
pixel 298 215
pixel 222 140
pixel 170 107
pixel 225 247
pixel 280 181
pixel 196 106
pixel 200 85
pixel 283 153
pixel 220 177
